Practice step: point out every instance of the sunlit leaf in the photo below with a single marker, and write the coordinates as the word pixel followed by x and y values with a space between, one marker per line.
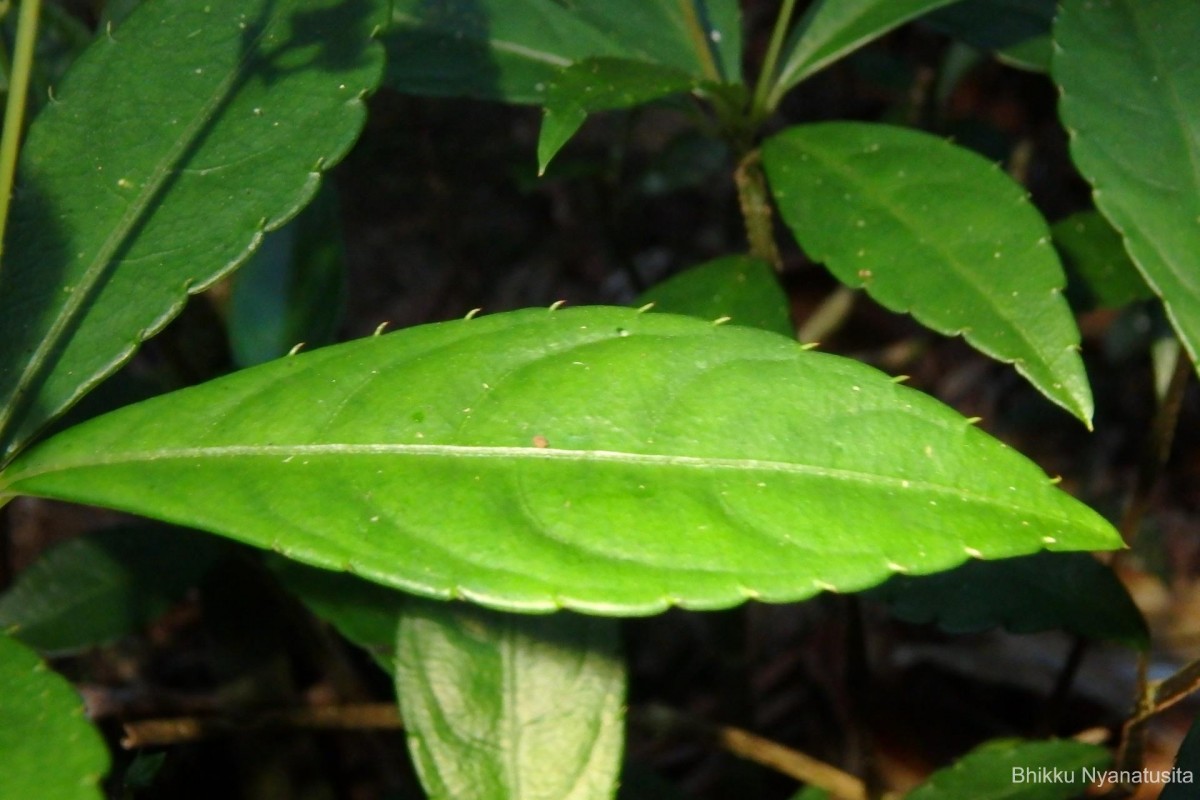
pixel 937 231
pixel 504 705
pixel 48 749
pixel 1013 769
pixel 596 458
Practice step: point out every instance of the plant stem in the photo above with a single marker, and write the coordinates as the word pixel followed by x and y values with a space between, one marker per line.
pixel 14 112
pixel 761 106
pixel 756 210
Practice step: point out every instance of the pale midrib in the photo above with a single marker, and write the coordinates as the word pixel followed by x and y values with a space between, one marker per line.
pixel 85 287
pixel 958 266
pixel 527 453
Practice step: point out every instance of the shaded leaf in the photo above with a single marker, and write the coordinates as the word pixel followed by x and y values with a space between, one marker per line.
pixel 743 288
pixel 1044 591
pixel 48 749
pixel 1129 72
pixel 511 50
pixel 1011 769
pixel 600 84
pixel 293 290
pixel 937 231
pixel 831 29
pixel 501 705
pixel 1018 31
pixel 365 613
pixel 595 458
pixel 223 112
pixel 1182 783
pixel 1096 252
pixel 109 583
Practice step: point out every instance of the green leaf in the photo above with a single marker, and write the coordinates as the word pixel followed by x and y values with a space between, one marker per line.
pixel 1129 72
pixel 594 458
pixel 511 50
pixel 293 290
pixel 1182 782
pixel 1096 252
pixel 1018 31
pixel 743 288
pixel 107 584
pixel 937 231
pixel 831 29
pixel 1045 591
pixel 600 84
pixel 365 613
pixel 500 705
pixel 216 119
pixel 48 749
pixel 1012 769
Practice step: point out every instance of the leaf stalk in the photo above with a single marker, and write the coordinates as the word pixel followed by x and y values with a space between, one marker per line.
pixel 14 112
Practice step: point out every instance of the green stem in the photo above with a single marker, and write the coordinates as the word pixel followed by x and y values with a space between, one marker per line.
pixel 767 75
pixel 14 112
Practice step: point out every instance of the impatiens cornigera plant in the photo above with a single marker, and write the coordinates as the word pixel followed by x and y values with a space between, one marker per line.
pixel 577 464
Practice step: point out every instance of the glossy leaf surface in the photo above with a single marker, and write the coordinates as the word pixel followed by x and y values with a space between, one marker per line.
pixel 595 458
pixel 831 29
pixel 511 50
pixel 216 120
pixel 48 749
pixel 504 705
pixel 95 588
pixel 1096 252
pixel 937 231
pixel 1045 591
pixel 743 288
pixel 989 772
pixel 1129 74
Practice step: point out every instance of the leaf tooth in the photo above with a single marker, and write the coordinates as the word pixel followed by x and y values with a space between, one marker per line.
pixel 474 312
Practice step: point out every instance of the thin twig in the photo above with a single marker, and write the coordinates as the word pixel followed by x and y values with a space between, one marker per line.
pixel 743 744
pixel 756 209
pixel 179 730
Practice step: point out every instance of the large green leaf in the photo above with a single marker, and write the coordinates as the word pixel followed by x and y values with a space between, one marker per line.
pixel 743 288
pixel 596 458
pixel 501 705
pixel 1044 591
pixel 94 588
pixel 831 29
pixel 1012 769
pixel 512 50
pixel 215 120
pixel 48 750
pixel 935 230
pixel 1129 71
